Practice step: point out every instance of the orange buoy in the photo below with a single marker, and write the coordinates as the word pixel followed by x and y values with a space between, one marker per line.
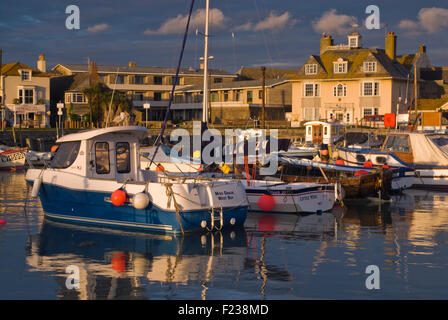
pixel 386 166
pixel 324 152
pixel 54 148
pixel 118 262
pixel 160 168
pixel 340 162
pixel 368 164
pixel 118 197
pixel 360 173
pixel 266 202
pixel 2 222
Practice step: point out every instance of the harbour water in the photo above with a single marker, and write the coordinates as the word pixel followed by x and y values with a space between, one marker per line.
pixel 275 256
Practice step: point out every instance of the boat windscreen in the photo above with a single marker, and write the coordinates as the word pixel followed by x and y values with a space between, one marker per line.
pixel 398 143
pixel 441 141
pixel 66 155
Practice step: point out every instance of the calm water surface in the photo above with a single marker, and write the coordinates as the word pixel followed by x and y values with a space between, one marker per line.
pixel 275 256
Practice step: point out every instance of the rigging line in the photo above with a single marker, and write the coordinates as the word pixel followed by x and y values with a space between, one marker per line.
pixel 159 138
pixel 112 98
pixel 264 36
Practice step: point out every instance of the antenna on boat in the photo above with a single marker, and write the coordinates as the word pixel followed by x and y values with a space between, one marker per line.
pixel 206 35
pixel 112 98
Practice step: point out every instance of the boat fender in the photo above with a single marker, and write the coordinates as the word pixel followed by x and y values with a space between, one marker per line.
pixel 36 187
pixel 368 164
pixel 340 162
pixel 386 166
pixel 266 202
pixel 160 168
pixel 118 197
pixel 141 201
pixel 2 222
pixel 360 173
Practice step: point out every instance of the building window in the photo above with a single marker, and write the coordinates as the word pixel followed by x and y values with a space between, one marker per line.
pixel 311 114
pixel 158 80
pixel 312 90
pixel 120 79
pixel 371 89
pixel 139 79
pixel 138 96
pixel 353 42
pixel 237 95
pixel 340 90
pixel 340 66
pixel 311 69
pixel 348 117
pixel 25 75
pixel 367 112
pixel 26 96
pixel 369 66
pixel 77 98
pixel 249 97
pixel 157 96
pixel 226 95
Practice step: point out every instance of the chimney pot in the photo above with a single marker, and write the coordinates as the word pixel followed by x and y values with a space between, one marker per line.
pixel 41 64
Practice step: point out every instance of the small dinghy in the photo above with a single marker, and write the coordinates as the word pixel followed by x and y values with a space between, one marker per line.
pixel 296 197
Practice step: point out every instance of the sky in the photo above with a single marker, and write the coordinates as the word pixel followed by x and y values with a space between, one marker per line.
pixel 250 33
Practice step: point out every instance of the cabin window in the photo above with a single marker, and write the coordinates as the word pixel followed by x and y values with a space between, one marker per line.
pixel 309 131
pixel 123 156
pixel 397 144
pixel 102 157
pixel 360 158
pixel 325 131
pixel 66 155
pixel 381 160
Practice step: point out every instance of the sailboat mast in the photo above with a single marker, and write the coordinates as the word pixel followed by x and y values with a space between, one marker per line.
pixel 205 95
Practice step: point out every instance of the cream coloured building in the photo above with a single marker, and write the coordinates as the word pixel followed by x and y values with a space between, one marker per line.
pixel 349 83
pixel 25 93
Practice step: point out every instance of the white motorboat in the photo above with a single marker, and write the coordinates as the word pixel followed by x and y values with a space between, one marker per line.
pixel 95 178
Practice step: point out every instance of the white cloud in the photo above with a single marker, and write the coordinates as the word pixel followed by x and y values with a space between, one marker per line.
pixel 334 23
pixel 177 24
pixel 429 20
pixel 98 28
pixel 274 22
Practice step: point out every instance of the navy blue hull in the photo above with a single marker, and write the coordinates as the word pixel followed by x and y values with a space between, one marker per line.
pixel 95 209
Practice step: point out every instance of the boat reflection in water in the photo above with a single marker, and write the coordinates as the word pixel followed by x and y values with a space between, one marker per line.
pixel 114 264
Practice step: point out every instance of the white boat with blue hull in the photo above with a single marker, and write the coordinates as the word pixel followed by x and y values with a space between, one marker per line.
pixel 89 167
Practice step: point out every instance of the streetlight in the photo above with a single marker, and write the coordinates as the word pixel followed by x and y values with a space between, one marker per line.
pixel 146 106
pixel 60 106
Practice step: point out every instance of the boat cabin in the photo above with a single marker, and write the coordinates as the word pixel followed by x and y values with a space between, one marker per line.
pixel 320 132
pixel 109 153
pixel 417 148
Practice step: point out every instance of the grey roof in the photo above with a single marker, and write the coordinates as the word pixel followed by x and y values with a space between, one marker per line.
pixel 144 70
pixel 230 85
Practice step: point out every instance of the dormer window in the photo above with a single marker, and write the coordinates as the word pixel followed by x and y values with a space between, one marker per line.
pixel 25 75
pixel 311 69
pixel 369 66
pixel 340 66
pixel 354 40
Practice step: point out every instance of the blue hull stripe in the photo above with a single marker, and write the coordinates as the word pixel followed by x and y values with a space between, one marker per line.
pixel 92 208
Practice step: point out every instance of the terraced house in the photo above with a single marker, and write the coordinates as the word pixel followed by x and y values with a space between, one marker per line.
pixel 348 82
pixel 140 84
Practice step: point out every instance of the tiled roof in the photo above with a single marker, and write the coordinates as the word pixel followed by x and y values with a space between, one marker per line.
pixel 12 69
pixel 354 58
pixel 145 70
pixel 256 73
pixel 231 85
